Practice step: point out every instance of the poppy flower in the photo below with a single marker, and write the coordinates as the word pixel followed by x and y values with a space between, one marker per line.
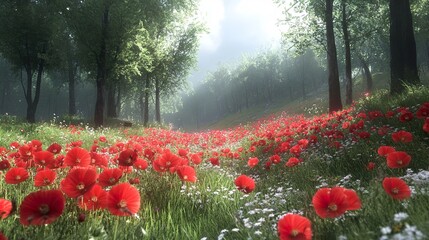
pixel 109 177
pixel 77 157
pixel 16 175
pixel 44 178
pixel 182 152
pixel 196 158
pixel 36 145
pixel 123 200
pixel 383 151
pixel 402 136
pixel 43 158
pixel 423 111
pixel 78 181
pixel 370 166
pixel 405 116
pixel 127 157
pixel 396 188
pixel 166 161
pixel 214 161
pixel 275 159
pixel 334 202
pixel 293 161
pixel 5 208
pixel 4 164
pixel 134 180
pixel 98 159
pixel 54 148
pixel 252 162
pixel 398 159
pixel 294 226
pixel 140 164
pixel 25 151
pixel 41 207
pixel 245 184
pixel 426 125
pixel 94 199
pixel 187 174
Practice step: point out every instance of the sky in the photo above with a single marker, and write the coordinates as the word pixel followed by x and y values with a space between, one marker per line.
pixel 235 28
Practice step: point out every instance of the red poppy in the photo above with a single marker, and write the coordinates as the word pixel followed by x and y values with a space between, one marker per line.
pixel 402 136
pixel 182 152
pixel 78 181
pixel 396 188
pixel 134 180
pixel 5 164
pixel 123 200
pixel 426 125
pixel 252 162
pixel 16 175
pixel 383 151
pixel 36 145
pixel 245 184
pixel 2 236
pixel 293 226
pixel 334 202
pixel 43 158
pixel 25 151
pixel 370 166
pixel 275 159
pixel 127 157
pixel 140 164
pixel 54 148
pixel 77 157
pixel 187 174
pixel 109 177
pixel 98 159
pixel 398 159
pixel 94 199
pixel 41 207
pixel 44 178
pixel 5 208
pixel 196 158
pixel 166 161
pixel 423 111
pixel 405 116
pixel 293 161
pixel 214 161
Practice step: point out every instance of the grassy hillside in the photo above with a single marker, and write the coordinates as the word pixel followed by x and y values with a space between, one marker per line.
pixel 314 103
pixel 361 173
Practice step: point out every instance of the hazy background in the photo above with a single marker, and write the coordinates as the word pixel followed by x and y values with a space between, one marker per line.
pixel 236 28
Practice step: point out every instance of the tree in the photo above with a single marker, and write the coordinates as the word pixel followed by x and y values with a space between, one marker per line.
pixel 403 56
pixel 25 34
pixel 348 60
pixel 333 79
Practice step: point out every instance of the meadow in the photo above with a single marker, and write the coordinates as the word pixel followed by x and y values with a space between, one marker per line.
pixel 361 173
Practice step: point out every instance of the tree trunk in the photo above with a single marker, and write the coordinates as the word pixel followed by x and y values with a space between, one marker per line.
pixel 141 103
pixel 349 83
pixel 333 79
pixel 111 103
pixel 146 100
pixel 101 71
pixel 403 56
pixel 118 101
pixel 157 102
pixel 368 75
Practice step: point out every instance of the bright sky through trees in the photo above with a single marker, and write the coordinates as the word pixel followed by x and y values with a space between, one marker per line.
pixel 236 28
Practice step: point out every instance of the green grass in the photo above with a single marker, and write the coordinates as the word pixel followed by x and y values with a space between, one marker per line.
pixel 213 208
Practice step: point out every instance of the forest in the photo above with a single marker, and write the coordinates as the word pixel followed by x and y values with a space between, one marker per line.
pixel 92 61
